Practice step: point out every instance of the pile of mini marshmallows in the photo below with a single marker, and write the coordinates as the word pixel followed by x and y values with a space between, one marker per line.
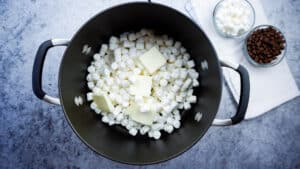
pixel 234 17
pixel 113 70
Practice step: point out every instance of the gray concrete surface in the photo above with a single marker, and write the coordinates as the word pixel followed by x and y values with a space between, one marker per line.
pixel 34 134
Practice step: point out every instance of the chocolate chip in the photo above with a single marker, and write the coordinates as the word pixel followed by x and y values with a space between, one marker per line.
pixel 265 45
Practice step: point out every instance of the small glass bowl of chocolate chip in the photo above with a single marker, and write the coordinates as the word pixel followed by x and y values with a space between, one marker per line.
pixel 265 46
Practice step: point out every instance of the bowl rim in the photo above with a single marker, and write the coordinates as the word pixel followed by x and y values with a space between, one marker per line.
pixel 227 35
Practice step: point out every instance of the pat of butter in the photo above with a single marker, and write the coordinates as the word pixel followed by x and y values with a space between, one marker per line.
pixel 103 102
pixel 142 86
pixel 152 60
pixel 132 108
pixel 144 118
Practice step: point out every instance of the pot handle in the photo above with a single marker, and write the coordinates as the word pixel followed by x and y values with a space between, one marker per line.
pixel 244 96
pixel 38 69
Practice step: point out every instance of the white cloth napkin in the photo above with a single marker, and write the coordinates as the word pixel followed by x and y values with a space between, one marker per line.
pixel 270 87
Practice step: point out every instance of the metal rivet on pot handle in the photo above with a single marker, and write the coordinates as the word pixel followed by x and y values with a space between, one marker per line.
pixel 38 69
pixel 244 96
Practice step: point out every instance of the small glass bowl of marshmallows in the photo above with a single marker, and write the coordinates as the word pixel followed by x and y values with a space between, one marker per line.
pixel 233 18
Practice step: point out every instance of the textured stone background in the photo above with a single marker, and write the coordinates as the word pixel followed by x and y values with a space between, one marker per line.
pixel 34 134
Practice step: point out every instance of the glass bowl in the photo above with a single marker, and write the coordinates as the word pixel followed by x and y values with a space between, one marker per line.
pixel 273 62
pixel 219 4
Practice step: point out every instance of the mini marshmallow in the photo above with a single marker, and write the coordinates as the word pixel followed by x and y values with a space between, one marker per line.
pixel 186 84
pixel 157 126
pixel 128 44
pixel 144 130
pixel 150 134
pixel 96 56
pixel 163 82
pixel 113 46
pixel 132 79
pixel 175 74
pixel 114 66
pixel 99 83
pixel 192 99
pixel 124 122
pixel 95 76
pixel 113 39
pixel 120 117
pixel 93 105
pixel 112 96
pixel 124 51
pixel 177 45
pixel 179 99
pixel 89 77
pixel 144 32
pixel 138 35
pixel 106 72
pixel 98 65
pixel 178 82
pixel 89 96
pixel 182 50
pixel 168 128
pixel 159 42
pixel 191 64
pixel 172 58
pixel 136 71
pixel 174 51
pixel 105 119
pixel 132 36
pixel 139 45
pixel 170 120
pixel 140 40
pixel 166 75
pixel 125 83
pixel 169 42
pixel 156 134
pixel 96 91
pixel 193 74
pixel 122 66
pixel 178 63
pixel 111 122
pixel 175 88
pixel 195 83
pixel 98 111
pixel 186 56
pixel 91 85
pixel 198 116
pixel 104 48
pixel 117 110
pixel 148 45
pixel 189 92
pixel 86 50
pixel 123 37
pixel 125 104
pixel 76 101
pixel 176 124
pixel 180 106
pixel 186 106
pixel 183 73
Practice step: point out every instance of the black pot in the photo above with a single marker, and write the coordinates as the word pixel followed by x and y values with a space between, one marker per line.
pixel 112 142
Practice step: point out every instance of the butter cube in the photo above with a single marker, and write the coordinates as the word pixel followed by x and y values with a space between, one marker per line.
pixel 103 102
pixel 142 86
pixel 134 113
pixel 133 107
pixel 152 60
